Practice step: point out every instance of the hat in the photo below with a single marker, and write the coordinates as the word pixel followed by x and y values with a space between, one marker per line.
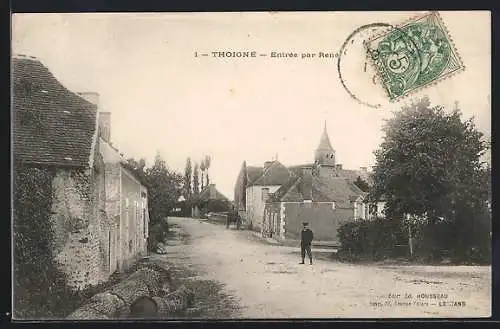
pixel 305 223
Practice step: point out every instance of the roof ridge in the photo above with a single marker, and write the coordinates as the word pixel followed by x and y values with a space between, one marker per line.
pixel 39 61
pixel 23 56
pixel 289 188
pixel 70 137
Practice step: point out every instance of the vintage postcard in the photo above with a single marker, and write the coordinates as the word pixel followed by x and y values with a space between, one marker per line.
pixel 251 165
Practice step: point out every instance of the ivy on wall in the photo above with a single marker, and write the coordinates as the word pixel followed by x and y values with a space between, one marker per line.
pixel 40 289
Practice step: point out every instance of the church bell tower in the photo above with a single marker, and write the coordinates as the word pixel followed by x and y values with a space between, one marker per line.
pixel 324 157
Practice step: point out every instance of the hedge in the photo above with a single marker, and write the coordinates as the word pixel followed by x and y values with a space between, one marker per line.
pixel 375 239
pixel 466 240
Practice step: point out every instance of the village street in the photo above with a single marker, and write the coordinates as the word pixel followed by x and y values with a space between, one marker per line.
pixel 268 281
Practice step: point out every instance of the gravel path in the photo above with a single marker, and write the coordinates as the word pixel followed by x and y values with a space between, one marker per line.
pixel 266 281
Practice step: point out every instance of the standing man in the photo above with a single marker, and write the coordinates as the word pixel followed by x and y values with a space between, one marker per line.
pixel 306 238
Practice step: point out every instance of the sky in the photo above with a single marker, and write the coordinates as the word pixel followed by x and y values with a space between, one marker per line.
pixel 164 99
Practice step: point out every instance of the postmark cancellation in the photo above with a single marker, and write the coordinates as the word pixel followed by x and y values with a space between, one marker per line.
pixel 413 56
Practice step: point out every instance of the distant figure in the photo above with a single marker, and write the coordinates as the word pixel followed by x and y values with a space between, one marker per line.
pixel 306 238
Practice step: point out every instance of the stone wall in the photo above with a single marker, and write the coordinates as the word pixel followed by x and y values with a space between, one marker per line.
pixel 323 219
pixel 79 247
pixel 98 219
pixel 113 193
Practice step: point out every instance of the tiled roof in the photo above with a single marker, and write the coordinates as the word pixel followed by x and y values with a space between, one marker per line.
pixel 334 188
pixel 51 125
pixel 324 189
pixel 275 174
pixel 253 173
pixel 287 188
pixel 297 169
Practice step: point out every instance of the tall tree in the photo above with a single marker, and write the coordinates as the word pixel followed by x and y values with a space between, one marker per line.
pixel 240 188
pixel 188 173
pixel 165 187
pixel 428 164
pixel 196 180
pixel 208 162
pixel 138 165
pixel 202 171
pixel 137 168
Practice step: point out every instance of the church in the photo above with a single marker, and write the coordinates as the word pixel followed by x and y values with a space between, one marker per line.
pixel 275 199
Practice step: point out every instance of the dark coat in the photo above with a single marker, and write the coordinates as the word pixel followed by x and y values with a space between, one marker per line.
pixel 306 237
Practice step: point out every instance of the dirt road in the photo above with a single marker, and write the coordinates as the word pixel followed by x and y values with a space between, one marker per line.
pixel 269 282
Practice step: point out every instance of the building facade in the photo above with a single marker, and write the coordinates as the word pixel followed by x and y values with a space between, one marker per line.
pixel 127 201
pixel 277 199
pixel 61 134
pixel 324 202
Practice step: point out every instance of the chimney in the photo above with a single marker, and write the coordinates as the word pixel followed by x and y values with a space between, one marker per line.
pixel 105 126
pixel 338 166
pixel 306 183
pixel 212 191
pixel 90 96
pixel 267 164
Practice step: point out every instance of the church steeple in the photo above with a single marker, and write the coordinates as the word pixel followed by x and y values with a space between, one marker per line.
pixel 325 154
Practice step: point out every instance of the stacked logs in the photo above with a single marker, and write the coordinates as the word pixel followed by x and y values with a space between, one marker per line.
pixel 144 294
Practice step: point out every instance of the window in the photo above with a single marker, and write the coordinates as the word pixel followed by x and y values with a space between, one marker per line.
pixel 265 194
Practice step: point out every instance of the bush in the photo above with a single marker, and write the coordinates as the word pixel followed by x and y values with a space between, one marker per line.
pixel 465 240
pixel 369 239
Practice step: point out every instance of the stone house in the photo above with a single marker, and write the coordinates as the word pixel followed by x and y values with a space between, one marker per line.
pixel 60 132
pixel 324 201
pixel 259 183
pixel 126 201
pixel 261 192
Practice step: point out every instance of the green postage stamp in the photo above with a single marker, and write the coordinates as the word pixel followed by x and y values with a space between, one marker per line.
pixel 414 55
